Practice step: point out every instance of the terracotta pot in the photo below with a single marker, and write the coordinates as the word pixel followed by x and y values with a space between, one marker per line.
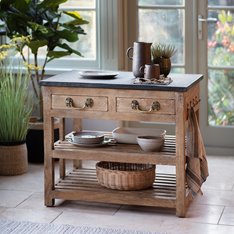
pixel 13 159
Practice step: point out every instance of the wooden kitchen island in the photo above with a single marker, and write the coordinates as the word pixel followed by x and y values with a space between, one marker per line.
pixel 70 96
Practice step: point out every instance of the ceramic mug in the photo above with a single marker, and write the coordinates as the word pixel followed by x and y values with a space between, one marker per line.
pixel 151 71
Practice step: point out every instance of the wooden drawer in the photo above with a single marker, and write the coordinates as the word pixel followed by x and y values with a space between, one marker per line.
pixel 163 106
pixel 80 102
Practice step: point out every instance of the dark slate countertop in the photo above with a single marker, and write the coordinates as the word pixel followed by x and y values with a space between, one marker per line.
pixel 124 80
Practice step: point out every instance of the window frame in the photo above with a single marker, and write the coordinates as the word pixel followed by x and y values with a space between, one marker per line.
pixel 110 47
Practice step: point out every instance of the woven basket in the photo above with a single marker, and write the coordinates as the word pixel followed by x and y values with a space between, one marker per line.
pixel 13 160
pixel 125 176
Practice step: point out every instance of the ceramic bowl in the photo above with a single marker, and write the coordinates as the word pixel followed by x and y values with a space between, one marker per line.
pixel 150 143
pixel 129 135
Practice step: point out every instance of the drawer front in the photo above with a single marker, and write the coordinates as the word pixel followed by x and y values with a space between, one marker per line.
pixel 146 105
pixel 86 103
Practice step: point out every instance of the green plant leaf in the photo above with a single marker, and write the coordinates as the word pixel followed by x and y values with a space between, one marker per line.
pixel 73 14
pixel 37 27
pixel 74 28
pixel 51 3
pixel 222 17
pixel 16 104
pixel 35 45
pixel 57 54
pixel 78 20
pixel 68 35
pixel 6 3
pixel 68 48
pixel 229 17
pixel 21 5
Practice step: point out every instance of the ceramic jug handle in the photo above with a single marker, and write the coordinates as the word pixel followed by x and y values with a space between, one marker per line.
pixel 128 52
pixel 142 69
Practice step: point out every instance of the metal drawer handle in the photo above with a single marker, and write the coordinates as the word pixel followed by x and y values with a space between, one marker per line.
pixel 88 103
pixel 154 107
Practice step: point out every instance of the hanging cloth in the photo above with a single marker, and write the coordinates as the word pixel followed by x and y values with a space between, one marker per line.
pixel 197 166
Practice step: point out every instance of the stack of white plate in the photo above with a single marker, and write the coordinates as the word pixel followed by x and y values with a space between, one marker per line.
pixel 87 139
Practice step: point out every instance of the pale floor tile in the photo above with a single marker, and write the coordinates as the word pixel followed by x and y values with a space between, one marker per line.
pixel 204 213
pixel 2 209
pixel 159 214
pixel 37 201
pixel 111 221
pixel 32 215
pixel 221 173
pixel 10 198
pixel 228 216
pixel 145 221
pixel 88 207
pixel 33 180
pixel 146 218
pixel 195 213
pixel 178 227
pixel 216 197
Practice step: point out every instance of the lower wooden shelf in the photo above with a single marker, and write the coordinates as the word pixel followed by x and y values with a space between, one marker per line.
pixel 81 184
pixel 118 153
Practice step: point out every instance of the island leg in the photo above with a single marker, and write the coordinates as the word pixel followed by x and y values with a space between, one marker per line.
pixel 180 156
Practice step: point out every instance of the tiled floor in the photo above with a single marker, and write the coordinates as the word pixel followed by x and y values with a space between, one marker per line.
pixel 21 198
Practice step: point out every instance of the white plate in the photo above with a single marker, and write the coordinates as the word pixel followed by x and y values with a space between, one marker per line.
pixel 87 137
pixel 98 74
pixel 129 135
pixel 89 145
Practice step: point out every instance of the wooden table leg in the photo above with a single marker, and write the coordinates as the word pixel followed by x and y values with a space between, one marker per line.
pixel 62 164
pixel 48 147
pixel 180 156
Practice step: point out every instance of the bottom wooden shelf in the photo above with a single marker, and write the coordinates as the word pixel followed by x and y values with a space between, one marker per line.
pixel 81 184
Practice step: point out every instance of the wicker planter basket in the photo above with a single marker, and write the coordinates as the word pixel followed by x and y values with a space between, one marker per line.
pixel 13 160
pixel 125 176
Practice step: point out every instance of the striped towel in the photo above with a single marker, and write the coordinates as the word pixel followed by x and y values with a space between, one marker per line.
pixel 197 167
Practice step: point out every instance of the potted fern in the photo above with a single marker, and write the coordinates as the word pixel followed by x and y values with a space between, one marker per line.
pixel 15 112
pixel 161 54
pixel 43 26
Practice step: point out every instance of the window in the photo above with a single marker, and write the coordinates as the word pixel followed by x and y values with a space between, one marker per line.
pixel 87 44
pixel 100 47
pixel 163 22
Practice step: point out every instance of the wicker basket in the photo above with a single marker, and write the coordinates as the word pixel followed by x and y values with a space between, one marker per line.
pixel 125 176
pixel 13 160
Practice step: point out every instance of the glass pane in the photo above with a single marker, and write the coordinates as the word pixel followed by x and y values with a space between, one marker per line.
pixel 87 43
pixel 160 2
pixel 163 26
pixel 220 2
pixel 221 97
pixel 79 3
pixel 177 70
pixel 221 82
pixel 221 39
